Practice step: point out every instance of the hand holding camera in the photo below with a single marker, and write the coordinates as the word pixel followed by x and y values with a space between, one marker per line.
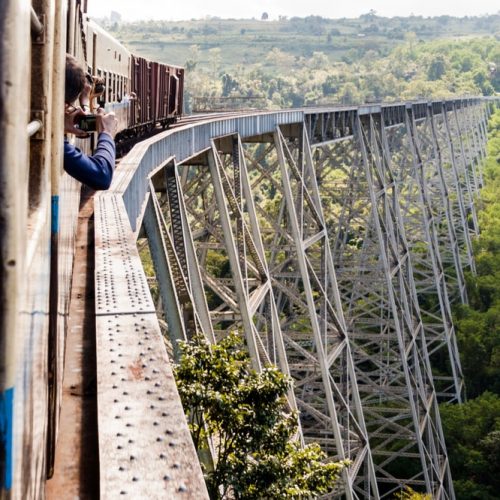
pixel 80 124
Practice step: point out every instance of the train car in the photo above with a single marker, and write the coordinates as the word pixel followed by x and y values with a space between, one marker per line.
pixel 109 60
pixel 39 209
pixel 159 94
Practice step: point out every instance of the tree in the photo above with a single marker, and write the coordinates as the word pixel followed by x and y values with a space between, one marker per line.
pixel 409 494
pixel 437 68
pixel 265 16
pixel 472 433
pixel 245 414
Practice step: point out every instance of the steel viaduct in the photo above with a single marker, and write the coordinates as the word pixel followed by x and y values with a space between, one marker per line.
pixel 346 233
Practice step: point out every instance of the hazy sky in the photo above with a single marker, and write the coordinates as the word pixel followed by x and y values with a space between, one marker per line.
pixel 188 9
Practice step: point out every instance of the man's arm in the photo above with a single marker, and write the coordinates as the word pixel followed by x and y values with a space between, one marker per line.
pixel 95 171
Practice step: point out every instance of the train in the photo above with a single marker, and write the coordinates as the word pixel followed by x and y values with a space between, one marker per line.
pixel 143 94
pixel 39 206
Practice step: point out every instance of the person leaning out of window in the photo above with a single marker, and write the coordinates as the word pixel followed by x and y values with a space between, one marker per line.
pixel 95 171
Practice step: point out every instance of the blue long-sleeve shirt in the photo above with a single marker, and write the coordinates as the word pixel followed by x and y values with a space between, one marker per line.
pixel 95 171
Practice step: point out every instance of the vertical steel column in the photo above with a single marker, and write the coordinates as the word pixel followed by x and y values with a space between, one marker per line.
pixel 465 170
pixel 297 235
pixel 474 133
pixel 438 280
pixel 447 208
pixel 404 311
pixel 459 189
pixel 154 225
pixel 368 489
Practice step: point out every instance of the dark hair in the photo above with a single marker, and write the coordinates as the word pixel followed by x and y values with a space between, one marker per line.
pixel 75 79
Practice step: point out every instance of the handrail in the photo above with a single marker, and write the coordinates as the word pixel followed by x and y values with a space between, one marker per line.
pixel 36 25
pixel 34 127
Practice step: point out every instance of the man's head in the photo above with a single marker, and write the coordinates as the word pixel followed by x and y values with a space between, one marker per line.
pixel 75 79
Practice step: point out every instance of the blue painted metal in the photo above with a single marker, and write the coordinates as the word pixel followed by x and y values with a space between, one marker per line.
pixel 6 425
pixel 55 214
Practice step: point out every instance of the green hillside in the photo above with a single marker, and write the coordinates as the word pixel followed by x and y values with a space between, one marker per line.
pixel 316 61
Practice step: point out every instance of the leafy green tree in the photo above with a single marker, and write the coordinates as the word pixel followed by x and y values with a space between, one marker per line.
pixel 245 414
pixel 409 494
pixel 437 68
pixel 472 432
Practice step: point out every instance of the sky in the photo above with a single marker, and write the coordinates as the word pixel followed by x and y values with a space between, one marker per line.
pixel 195 9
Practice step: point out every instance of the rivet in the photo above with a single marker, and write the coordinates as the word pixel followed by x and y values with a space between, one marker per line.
pixel 176 466
pixel 166 478
pixel 119 447
pixel 123 492
pixel 132 457
pixel 135 479
pixel 182 487
pixel 125 393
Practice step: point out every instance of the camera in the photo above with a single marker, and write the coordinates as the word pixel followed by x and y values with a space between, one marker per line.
pixel 87 123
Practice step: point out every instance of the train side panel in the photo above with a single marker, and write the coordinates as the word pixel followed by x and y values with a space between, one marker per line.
pixel 110 60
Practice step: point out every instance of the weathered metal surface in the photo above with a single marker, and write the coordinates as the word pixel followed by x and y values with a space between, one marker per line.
pixel 145 449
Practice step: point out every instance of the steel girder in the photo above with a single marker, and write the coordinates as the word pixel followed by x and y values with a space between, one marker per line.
pixel 248 233
pixel 385 325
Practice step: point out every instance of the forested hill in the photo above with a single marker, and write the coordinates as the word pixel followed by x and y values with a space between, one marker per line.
pixel 313 60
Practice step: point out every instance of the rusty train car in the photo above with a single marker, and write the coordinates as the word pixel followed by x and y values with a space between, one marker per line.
pixel 39 206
